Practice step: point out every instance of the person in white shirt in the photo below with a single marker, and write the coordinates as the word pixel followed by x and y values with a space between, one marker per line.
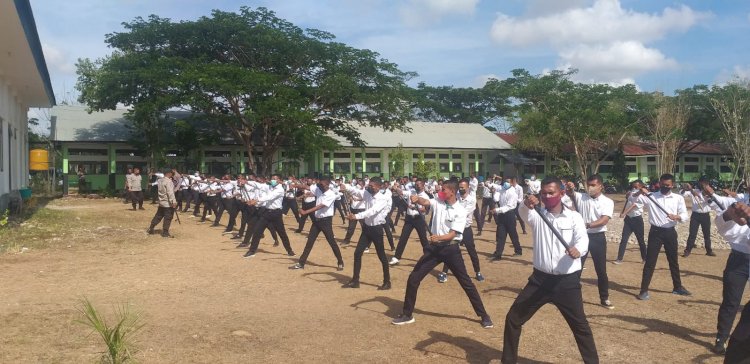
pixel 225 201
pixel 377 206
pixel 596 210
pixel 487 204
pixel 732 225
pixel 271 216
pixel 533 185
pixel 448 225
pixel 213 199
pixel 519 191
pixel 662 232
pixel 468 201
pixel 321 220
pixel 506 200
pixel 414 219
pixel 632 214
pixel 355 194
pixel 290 198
pixel 557 273
pixel 699 218
pixel 308 202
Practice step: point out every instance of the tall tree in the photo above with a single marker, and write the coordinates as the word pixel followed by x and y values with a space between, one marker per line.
pixel 666 127
pixel 460 104
pixel 731 105
pixel 270 82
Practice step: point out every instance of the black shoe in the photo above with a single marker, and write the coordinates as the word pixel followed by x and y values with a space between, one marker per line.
pixel 243 245
pixel 385 286
pixel 351 284
pixel 686 253
pixel 275 243
pixel 340 266
pixel 298 231
pixel 517 254
pixel 479 233
pixel 487 323
pixel 215 225
pixel 720 347
pixel 167 235
pixel 524 232
pixel 711 254
pixel 150 232
pixel 249 254
pixel 403 320
pixel 345 242
pixel 681 291
pixel 141 208
pixel 290 253
pixel 496 258
pixel 236 237
pixel 297 266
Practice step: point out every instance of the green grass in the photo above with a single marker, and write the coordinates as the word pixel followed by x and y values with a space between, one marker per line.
pixel 118 338
pixel 37 227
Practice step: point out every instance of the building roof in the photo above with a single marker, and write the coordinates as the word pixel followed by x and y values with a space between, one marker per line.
pixel 432 135
pixel 22 63
pixel 74 123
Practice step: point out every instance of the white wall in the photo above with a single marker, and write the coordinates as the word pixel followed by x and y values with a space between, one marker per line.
pixel 15 166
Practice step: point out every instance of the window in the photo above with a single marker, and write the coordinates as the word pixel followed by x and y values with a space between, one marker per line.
pixel 342 167
pixel 456 156
pixel 630 168
pixel 444 167
pixel 471 156
pixel 457 167
pixel 326 155
pixel 630 159
pixel 605 168
pixel 691 168
pixel 88 167
pixel 218 154
pixel 429 156
pixel 122 167
pixel 692 159
pixel 651 170
pixel 416 156
pixel 480 156
pixel 373 167
pixel 89 151
pixel 725 169
pixel 444 156
pixel 127 153
pixel 357 155
pixel 709 159
pixel 650 159
pixel 372 155
pixel 539 168
pixel 342 155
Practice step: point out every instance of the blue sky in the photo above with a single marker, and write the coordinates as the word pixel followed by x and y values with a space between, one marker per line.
pixel 658 45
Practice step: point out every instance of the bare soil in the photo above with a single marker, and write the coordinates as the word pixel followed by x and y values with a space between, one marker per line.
pixel 203 303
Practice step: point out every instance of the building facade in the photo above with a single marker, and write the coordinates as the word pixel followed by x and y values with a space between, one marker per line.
pixel 98 143
pixel 24 83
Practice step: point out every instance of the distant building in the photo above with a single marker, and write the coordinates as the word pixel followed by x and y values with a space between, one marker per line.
pixel 100 143
pixel 24 83
pixel 641 161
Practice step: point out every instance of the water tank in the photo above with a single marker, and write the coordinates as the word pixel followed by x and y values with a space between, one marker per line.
pixel 38 160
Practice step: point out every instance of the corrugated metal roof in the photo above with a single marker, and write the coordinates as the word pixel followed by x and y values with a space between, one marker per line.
pixel 73 123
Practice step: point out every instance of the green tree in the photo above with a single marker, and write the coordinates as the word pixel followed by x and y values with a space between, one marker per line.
pixel 459 104
pixel 731 105
pixel 268 81
pixel 425 169
pixel 398 158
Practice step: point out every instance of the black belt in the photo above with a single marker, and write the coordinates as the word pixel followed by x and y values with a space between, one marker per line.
pixel 446 243
pixel 662 228
pixel 599 233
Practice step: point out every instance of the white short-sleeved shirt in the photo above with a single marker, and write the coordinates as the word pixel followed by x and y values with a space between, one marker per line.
pixel 673 203
pixel 469 202
pixel 550 255
pixel 699 202
pixel 593 209
pixel 376 208
pixel 447 217
pixel 633 200
pixel 325 198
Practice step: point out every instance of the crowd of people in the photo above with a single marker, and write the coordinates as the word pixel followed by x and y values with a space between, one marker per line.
pixel 567 227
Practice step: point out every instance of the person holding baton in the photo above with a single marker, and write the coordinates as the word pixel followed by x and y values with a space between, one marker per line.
pixel 559 239
pixel 167 204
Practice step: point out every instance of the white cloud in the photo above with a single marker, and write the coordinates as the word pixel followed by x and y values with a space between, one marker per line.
pixel 738 72
pixel 481 80
pixel 416 13
pixel 544 7
pixel 57 60
pixel 605 42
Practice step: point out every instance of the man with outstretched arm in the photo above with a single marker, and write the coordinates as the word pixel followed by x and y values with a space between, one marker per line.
pixel 557 272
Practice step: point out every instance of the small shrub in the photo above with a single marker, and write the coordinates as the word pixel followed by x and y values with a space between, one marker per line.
pixel 117 338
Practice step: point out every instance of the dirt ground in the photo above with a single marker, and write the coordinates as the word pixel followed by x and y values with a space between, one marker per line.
pixel 203 303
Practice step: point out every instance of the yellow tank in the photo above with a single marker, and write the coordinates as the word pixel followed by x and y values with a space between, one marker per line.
pixel 38 160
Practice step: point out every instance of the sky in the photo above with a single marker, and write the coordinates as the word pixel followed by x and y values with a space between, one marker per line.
pixel 657 45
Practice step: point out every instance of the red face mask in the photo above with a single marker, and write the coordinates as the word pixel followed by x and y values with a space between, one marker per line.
pixel 551 202
pixel 442 196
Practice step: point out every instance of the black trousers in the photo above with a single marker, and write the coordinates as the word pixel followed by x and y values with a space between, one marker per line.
pixel 734 279
pixel 487 204
pixel 200 199
pixel 305 206
pixel 704 221
pixel 211 203
pixel 136 197
pixel 339 206
pixel 506 225
pixel 153 192
pixel 270 218
pixel 451 256
pixel 245 211
pixel 598 253
pixel 254 217
pixel 400 206
pixel 738 350
pixel 656 238
pixel 471 249
pixel 235 207
pixel 520 220
pixel 180 198
pixel 632 225
pixel 371 235
pixel 166 213
pixel 412 223
pixel 353 225
pixel 290 204
pixel 563 291
pixel 222 205
pixel 325 226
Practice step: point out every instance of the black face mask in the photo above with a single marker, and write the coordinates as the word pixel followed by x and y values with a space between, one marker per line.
pixel 370 190
pixel 461 192
pixel 665 190
pixel 320 187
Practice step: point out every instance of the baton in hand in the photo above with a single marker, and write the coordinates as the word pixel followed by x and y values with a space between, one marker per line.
pixel 559 236
pixel 657 204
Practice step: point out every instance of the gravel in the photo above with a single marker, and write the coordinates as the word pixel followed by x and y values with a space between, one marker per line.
pixel 614 233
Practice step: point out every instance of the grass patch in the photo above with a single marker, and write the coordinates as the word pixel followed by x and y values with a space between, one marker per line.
pixel 117 337
pixel 38 227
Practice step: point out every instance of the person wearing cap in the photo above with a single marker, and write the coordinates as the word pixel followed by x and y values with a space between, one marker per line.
pixel 322 220
pixel 700 216
pixel 662 232
pixel 556 277
pixel 596 210
pixel 167 204
pixel 448 225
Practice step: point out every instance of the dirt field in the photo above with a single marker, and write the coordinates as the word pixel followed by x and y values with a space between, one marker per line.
pixel 203 303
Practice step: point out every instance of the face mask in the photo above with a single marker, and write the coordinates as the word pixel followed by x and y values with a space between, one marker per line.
pixel 533 178
pixel 665 190
pixel 442 196
pixel 273 183
pixel 634 190
pixel 320 187
pixel 461 192
pixel 370 190
pixel 551 202
pixel 506 185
